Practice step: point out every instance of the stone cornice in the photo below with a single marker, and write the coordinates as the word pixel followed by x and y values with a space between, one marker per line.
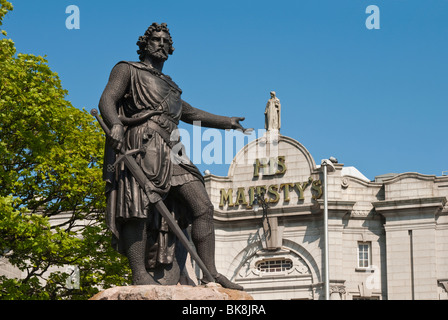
pixel 334 206
pixel 407 175
pixel 392 206
pixel 248 214
pixel 337 208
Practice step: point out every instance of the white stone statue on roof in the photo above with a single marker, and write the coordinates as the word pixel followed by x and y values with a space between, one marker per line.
pixel 272 113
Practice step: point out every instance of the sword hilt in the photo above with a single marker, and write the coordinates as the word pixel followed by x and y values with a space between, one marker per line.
pixel 105 128
pixel 103 125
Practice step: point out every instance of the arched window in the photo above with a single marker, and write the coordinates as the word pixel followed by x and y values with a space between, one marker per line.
pixel 274 265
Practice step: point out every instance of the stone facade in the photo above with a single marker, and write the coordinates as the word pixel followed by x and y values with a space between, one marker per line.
pixel 388 238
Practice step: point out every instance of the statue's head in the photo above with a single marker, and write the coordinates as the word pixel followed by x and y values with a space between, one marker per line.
pixel 156 42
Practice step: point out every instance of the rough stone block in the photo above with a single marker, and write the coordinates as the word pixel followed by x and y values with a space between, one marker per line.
pixel 177 292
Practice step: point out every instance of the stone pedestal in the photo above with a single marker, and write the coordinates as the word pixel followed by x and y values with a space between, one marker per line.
pixel 175 292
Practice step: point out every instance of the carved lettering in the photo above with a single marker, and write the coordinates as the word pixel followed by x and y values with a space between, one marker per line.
pixel 271 166
pixel 281 163
pixel 273 190
pixel 273 193
pixel 226 197
pixel 240 197
pixel 317 188
pixel 286 188
pixel 259 163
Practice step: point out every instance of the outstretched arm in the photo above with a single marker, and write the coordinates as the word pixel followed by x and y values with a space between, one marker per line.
pixel 191 114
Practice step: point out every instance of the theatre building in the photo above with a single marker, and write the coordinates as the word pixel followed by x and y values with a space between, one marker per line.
pixel 388 238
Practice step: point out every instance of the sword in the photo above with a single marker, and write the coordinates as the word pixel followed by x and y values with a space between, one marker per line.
pixel 154 197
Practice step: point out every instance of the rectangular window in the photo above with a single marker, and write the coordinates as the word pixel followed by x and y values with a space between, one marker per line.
pixel 364 254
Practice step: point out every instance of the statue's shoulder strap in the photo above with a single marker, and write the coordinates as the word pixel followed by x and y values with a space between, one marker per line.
pixel 164 77
pixel 137 65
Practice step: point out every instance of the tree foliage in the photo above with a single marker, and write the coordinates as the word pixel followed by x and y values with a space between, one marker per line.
pixel 51 190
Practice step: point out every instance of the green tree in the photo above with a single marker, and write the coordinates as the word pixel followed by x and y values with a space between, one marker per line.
pixel 50 171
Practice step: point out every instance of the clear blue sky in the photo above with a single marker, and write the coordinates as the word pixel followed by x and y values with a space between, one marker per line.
pixel 374 99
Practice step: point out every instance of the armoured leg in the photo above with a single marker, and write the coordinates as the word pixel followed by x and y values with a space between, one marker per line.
pixel 202 229
pixel 134 236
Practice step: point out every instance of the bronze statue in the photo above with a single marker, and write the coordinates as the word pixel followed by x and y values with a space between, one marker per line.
pixel 141 108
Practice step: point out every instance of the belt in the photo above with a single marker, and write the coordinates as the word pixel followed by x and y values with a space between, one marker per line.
pixel 163 133
pixel 146 117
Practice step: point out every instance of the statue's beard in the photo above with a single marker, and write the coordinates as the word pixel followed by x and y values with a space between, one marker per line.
pixel 158 54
